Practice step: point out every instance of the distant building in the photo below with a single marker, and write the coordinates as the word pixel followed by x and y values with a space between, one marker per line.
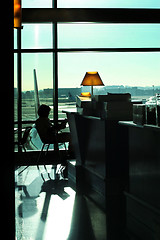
pixel 71 93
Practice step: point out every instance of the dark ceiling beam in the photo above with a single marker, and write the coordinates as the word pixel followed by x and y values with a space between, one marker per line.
pixel 49 50
pixel 109 15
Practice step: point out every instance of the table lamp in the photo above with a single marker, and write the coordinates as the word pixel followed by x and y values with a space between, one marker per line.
pixel 92 79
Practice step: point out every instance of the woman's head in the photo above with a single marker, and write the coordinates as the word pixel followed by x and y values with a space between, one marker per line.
pixel 44 110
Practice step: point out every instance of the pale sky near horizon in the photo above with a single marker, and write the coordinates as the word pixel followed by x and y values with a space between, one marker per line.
pixel 134 69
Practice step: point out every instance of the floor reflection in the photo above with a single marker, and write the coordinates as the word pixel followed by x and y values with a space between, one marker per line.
pixel 52 210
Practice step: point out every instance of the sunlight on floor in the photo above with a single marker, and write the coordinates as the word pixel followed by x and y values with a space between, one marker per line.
pixel 50 209
pixel 41 215
pixel 58 224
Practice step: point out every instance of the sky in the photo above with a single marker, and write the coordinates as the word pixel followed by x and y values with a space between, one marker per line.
pixel 133 69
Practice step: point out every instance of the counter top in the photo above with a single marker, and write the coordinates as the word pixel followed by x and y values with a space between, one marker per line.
pixel 145 126
pixel 70 110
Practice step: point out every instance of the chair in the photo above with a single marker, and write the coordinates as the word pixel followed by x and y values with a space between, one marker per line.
pixel 46 143
pixel 25 136
pixel 22 143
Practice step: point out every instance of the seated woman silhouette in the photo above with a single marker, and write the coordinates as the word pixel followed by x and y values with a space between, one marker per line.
pixel 46 130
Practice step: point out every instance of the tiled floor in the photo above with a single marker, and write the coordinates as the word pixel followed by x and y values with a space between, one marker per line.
pixel 46 211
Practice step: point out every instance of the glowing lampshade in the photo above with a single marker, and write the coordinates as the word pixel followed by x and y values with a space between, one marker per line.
pixel 17 14
pixel 92 79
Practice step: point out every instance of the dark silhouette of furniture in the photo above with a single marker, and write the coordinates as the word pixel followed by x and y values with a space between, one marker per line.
pixel 101 169
pixel 143 195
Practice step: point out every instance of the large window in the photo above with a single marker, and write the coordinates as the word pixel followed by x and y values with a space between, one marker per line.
pixel 126 56
pixel 37 55
pixel 43 64
pixel 119 52
pixel 134 72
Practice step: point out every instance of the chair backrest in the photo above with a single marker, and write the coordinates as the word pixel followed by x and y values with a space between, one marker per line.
pixel 45 138
pixel 25 135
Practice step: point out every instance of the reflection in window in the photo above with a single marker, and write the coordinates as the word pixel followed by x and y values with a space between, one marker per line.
pixel 43 63
pixel 37 36
pixel 91 35
pixel 108 4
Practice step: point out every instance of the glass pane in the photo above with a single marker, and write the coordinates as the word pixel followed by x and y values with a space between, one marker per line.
pixel 43 64
pixel 67 100
pixel 136 73
pixel 108 4
pixel 68 82
pixel 37 36
pixel 36 3
pixel 91 35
